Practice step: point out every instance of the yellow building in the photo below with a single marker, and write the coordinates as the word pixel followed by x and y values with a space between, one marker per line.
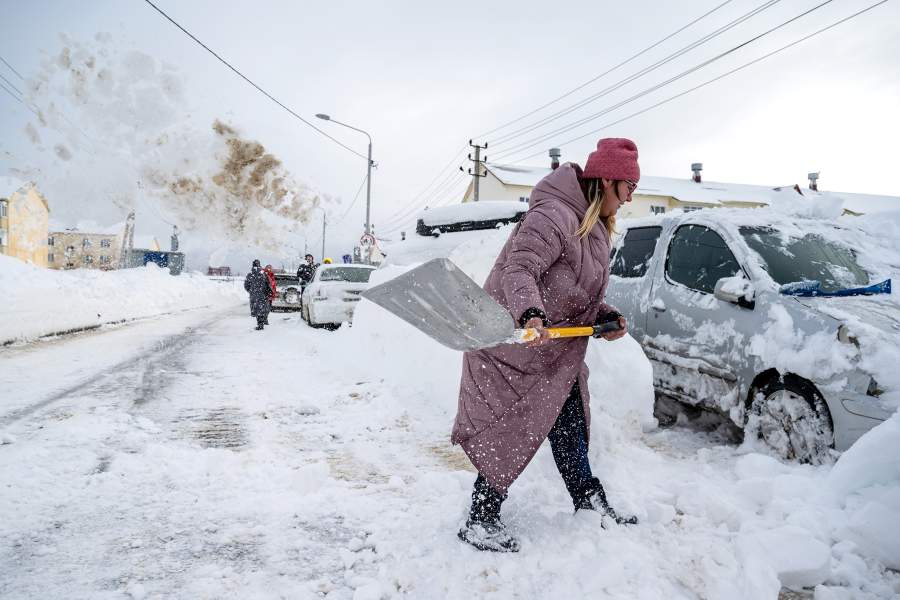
pixel 24 221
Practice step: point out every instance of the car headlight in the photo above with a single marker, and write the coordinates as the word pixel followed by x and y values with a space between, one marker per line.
pixel 844 336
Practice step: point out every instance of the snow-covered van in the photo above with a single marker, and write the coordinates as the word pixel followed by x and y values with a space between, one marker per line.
pixel 783 323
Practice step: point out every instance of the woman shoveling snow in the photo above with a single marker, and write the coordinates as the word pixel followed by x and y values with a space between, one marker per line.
pixel 553 271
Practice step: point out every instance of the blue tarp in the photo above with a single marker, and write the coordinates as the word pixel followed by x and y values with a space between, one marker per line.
pixel 809 289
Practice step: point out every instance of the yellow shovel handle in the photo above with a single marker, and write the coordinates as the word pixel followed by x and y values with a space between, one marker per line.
pixel 526 335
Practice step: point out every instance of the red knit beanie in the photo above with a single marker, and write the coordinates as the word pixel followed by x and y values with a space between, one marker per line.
pixel 614 158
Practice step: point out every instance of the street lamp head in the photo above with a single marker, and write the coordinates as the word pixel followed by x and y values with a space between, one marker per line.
pixel 324 117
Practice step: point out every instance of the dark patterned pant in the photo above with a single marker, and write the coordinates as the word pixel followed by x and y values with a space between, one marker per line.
pixel 568 441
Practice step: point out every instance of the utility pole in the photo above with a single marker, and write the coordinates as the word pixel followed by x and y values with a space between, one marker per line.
pixel 476 174
pixel 369 190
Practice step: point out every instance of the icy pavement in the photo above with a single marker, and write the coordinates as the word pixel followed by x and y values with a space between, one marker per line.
pixel 192 457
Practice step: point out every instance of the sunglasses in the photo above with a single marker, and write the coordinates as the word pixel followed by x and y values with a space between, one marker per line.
pixel 632 185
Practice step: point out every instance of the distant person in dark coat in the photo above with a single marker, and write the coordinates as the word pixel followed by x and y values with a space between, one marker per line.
pixel 257 285
pixel 307 270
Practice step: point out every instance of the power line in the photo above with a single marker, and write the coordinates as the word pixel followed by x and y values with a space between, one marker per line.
pixel 543 137
pixel 449 180
pixel 444 198
pixel 605 73
pixel 352 204
pixel 421 199
pixel 713 80
pixel 11 68
pixel 446 184
pixel 623 82
pixel 11 84
pixel 245 78
pixel 419 196
pixel 14 97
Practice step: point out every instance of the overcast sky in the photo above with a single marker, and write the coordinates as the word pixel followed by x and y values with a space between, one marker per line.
pixel 424 77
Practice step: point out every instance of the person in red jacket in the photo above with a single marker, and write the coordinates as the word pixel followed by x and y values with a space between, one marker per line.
pixel 273 290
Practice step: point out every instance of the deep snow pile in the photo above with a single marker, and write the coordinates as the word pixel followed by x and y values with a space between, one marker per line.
pixel 40 302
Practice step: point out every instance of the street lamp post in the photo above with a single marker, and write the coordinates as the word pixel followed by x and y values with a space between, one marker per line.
pixel 325 117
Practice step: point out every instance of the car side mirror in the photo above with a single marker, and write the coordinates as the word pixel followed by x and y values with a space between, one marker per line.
pixel 736 290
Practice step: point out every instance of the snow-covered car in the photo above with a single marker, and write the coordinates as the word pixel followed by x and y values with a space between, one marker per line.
pixel 767 318
pixel 332 295
pixel 288 288
pixel 480 227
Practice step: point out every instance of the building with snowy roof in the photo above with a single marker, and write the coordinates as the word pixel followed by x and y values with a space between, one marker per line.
pixel 656 195
pixel 24 221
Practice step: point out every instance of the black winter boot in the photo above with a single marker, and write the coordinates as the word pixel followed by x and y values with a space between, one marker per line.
pixel 483 528
pixel 593 497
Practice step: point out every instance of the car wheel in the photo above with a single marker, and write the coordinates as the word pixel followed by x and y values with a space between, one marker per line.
pixel 791 419
pixel 309 320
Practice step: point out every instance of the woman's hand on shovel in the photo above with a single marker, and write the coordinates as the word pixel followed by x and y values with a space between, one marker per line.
pixel 538 326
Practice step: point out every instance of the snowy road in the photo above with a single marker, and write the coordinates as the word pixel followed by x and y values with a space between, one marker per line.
pixel 192 457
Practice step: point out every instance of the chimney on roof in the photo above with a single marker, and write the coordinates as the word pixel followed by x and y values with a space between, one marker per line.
pixel 696 168
pixel 555 154
pixel 813 181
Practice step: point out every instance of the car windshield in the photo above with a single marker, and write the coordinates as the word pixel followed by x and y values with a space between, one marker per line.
pixel 348 274
pixel 810 258
pixel 286 280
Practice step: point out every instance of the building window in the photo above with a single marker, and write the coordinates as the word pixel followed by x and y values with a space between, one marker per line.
pixel 104 243
pixel 2 208
pixel 104 259
pixel 657 210
pixel 523 198
pixel 88 259
pixel 691 208
pixel 50 241
pixel 2 238
pixel 86 243
pixel 50 257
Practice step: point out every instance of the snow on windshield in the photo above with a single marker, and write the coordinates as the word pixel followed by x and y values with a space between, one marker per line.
pixel 348 274
pixel 810 258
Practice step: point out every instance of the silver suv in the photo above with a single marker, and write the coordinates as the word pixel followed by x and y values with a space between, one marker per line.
pixel 739 312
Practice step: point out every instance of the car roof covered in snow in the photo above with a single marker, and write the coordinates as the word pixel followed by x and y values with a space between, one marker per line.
pixel 472 211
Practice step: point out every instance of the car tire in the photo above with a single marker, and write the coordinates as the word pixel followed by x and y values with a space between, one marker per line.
pixel 791 418
pixel 309 320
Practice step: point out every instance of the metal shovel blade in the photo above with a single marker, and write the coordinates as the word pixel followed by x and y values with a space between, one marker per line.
pixel 441 301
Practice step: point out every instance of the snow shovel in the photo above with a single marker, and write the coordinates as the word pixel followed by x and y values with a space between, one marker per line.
pixel 442 302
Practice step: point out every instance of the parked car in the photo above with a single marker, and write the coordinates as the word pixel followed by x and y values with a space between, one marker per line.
pixel 288 288
pixel 331 297
pixel 730 308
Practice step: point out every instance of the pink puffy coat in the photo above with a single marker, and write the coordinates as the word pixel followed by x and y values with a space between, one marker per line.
pixel 511 395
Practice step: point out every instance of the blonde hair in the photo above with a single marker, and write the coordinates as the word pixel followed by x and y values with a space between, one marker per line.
pixel 592 215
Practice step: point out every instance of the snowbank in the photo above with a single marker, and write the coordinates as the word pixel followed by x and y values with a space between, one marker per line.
pixel 40 302
pixel 866 484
